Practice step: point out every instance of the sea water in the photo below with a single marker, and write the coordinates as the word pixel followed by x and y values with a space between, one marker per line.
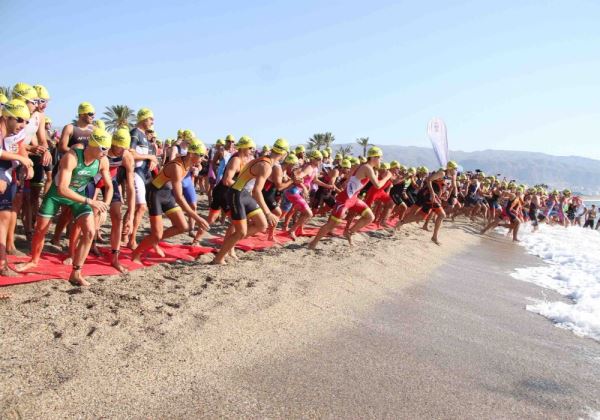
pixel 572 268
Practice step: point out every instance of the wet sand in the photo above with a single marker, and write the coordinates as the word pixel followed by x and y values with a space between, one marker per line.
pixel 459 345
pixel 394 327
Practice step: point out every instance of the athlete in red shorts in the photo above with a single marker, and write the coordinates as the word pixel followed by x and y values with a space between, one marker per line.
pixel 348 201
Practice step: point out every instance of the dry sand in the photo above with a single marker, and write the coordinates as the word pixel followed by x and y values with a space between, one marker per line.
pixel 280 333
pixel 132 344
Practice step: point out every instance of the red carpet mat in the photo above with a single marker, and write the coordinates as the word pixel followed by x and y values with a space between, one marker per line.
pixel 51 265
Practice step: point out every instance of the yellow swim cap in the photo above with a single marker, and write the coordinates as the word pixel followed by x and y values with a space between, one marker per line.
pixel 265 148
pixel 3 98
pixel 188 135
pixel 196 147
pixel 394 164
pixel 121 138
pixel 230 138
pixel 412 171
pixel 24 92
pixel 299 149
pixel 99 138
pixel 47 120
pixel 291 159
pixel 384 165
pixel 362 159
pixel 100 124
pixel 280 147
pixel 42 92
pixel 180 133
pixel 16 108
pixel 86 108
pixel 220 142
pixel 316 154
pixel 375 152
pixel 452 165
pixel 143 114
pixel 338 156
pixel 325 153
pixel 346 164
pixel 245 142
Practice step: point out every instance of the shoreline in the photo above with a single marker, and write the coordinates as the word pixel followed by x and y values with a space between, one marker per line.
pixel 274 334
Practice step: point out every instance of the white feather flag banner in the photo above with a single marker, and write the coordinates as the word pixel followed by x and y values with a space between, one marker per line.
pixel 436 131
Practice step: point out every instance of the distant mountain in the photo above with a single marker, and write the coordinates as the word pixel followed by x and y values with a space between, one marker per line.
pixel 578 173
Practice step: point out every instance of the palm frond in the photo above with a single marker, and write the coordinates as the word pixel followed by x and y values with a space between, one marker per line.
pixel 117 116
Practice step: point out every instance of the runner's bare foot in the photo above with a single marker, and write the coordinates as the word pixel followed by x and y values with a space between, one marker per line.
pixel 273 238
pixel 217 262
pixel 8 272
pixel 77 279
pixel 68 261
pixel 159 251
pixel 95 251
pixel 4 296
pixel 312 245
pixel 435 241
pixel 15 252
pixel 292 235
pixel 136 258
pixel 20 268
pixel 116 264
pixel 348 236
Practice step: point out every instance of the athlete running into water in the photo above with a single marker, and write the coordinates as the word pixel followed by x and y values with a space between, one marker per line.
pixel 429 199
pixel 348 201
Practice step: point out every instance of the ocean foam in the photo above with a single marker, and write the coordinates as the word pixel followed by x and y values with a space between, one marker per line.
pixel 573 270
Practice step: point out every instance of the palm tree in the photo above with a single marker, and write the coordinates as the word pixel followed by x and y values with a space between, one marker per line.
pixel 328 138
pixel 344 151
pixel 118 116
pixel 6 90
pixel 320 141
pixel 315 142
pixel 364 143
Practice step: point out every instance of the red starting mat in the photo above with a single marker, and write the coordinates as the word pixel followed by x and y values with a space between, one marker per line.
pixel 51 265
pixel 257 242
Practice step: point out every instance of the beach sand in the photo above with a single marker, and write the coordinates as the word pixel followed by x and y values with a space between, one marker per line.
pixel 394 327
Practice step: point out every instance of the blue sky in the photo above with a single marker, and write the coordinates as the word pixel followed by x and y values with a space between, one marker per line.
pixel 517 75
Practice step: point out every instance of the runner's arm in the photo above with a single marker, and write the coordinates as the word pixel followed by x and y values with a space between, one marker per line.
pixel 108 185
pixel 176 174
pixel 263 171
pixel 63 143
pixel 63 179
pixel 377 183
pixel 232 167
